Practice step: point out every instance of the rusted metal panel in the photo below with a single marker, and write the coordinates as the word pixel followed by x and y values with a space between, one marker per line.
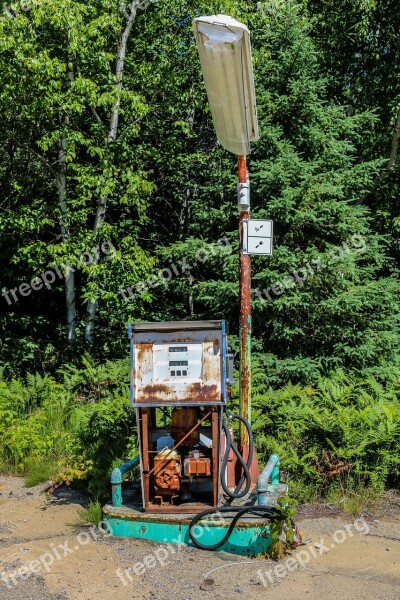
pixel 182 420
pixel 177 326
pixel 180 367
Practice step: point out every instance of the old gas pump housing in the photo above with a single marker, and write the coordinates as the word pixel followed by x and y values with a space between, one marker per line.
pixel 179 381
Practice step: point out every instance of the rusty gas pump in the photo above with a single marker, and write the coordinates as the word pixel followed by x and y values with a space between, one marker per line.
pixel 181 372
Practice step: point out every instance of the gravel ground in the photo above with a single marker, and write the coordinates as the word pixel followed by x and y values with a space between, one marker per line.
pixel 346 559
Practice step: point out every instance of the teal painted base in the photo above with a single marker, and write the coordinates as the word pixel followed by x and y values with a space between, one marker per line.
pixel 249 538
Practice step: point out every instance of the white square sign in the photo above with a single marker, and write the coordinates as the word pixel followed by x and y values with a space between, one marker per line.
pixel 257 237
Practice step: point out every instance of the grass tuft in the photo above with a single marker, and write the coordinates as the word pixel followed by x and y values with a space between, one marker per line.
pixel 39 470
pixel 354 502
pixel 91 515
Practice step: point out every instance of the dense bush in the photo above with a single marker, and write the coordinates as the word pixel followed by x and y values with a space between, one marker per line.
pixel 341 429
pixel 70 429
pixel 77 428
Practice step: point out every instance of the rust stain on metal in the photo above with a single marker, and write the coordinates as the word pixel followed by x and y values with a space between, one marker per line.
pixel 245 333
pixel 155 393
pixel 181 420
pixel 242 169
pixel 198 392
pixel 178 520
pixel 156 388
pixel 144 348
pixel 211 366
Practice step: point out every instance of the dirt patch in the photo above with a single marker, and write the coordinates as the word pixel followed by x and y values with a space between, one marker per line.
pixel 347 558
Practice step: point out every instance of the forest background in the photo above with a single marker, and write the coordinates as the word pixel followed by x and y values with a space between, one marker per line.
pixel 117 205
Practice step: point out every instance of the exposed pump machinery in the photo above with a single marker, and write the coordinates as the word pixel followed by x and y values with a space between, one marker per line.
pixel 181 373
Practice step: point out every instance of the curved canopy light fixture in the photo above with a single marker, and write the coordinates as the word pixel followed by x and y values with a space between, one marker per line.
pixel 225 55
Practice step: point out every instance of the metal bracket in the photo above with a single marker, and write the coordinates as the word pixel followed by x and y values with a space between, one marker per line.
pixel 244 196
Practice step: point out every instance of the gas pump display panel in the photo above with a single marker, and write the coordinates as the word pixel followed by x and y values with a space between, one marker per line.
pixel 178 363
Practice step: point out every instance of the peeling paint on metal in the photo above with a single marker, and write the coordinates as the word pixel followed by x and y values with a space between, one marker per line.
pixel 207 389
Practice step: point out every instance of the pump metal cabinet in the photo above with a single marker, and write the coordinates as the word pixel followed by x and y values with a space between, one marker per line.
pixel 178 387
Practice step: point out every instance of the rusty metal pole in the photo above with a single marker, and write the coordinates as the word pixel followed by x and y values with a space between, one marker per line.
pixel 245 319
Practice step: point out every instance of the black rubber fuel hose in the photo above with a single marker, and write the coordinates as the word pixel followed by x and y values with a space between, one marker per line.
pixel 230 445
pixel 271 513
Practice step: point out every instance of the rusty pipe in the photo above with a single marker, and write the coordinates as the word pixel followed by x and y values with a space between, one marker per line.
pixel 245 318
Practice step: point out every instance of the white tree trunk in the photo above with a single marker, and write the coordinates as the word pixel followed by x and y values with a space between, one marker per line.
pixel 112 136
pixel 61 180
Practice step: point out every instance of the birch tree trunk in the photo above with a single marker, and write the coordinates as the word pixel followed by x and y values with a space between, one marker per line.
pixel 112 136
pixel 184 215
pixel 61 181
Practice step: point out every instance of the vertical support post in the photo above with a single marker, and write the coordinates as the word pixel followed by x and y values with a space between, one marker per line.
pixel 215 429
pixel 144 425
pixel 245 319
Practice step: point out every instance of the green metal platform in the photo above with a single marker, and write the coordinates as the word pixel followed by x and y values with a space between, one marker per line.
pixel 250 537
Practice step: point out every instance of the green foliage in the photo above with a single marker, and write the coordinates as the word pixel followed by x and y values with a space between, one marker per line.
pixel 68 431
pixel 341 427
pixel 325 305
pixel 169 189
pixel 282 533
pixel 34 420
pixel 105 434
pixel 92 514
pixel 39 470
pixel 95 381
pixel 353 498
pixel 334 438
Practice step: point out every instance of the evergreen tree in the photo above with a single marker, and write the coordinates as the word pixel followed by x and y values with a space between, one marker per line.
pixel 327 298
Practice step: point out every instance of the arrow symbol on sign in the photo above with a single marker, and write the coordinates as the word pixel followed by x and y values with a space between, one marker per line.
pixel 260 244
